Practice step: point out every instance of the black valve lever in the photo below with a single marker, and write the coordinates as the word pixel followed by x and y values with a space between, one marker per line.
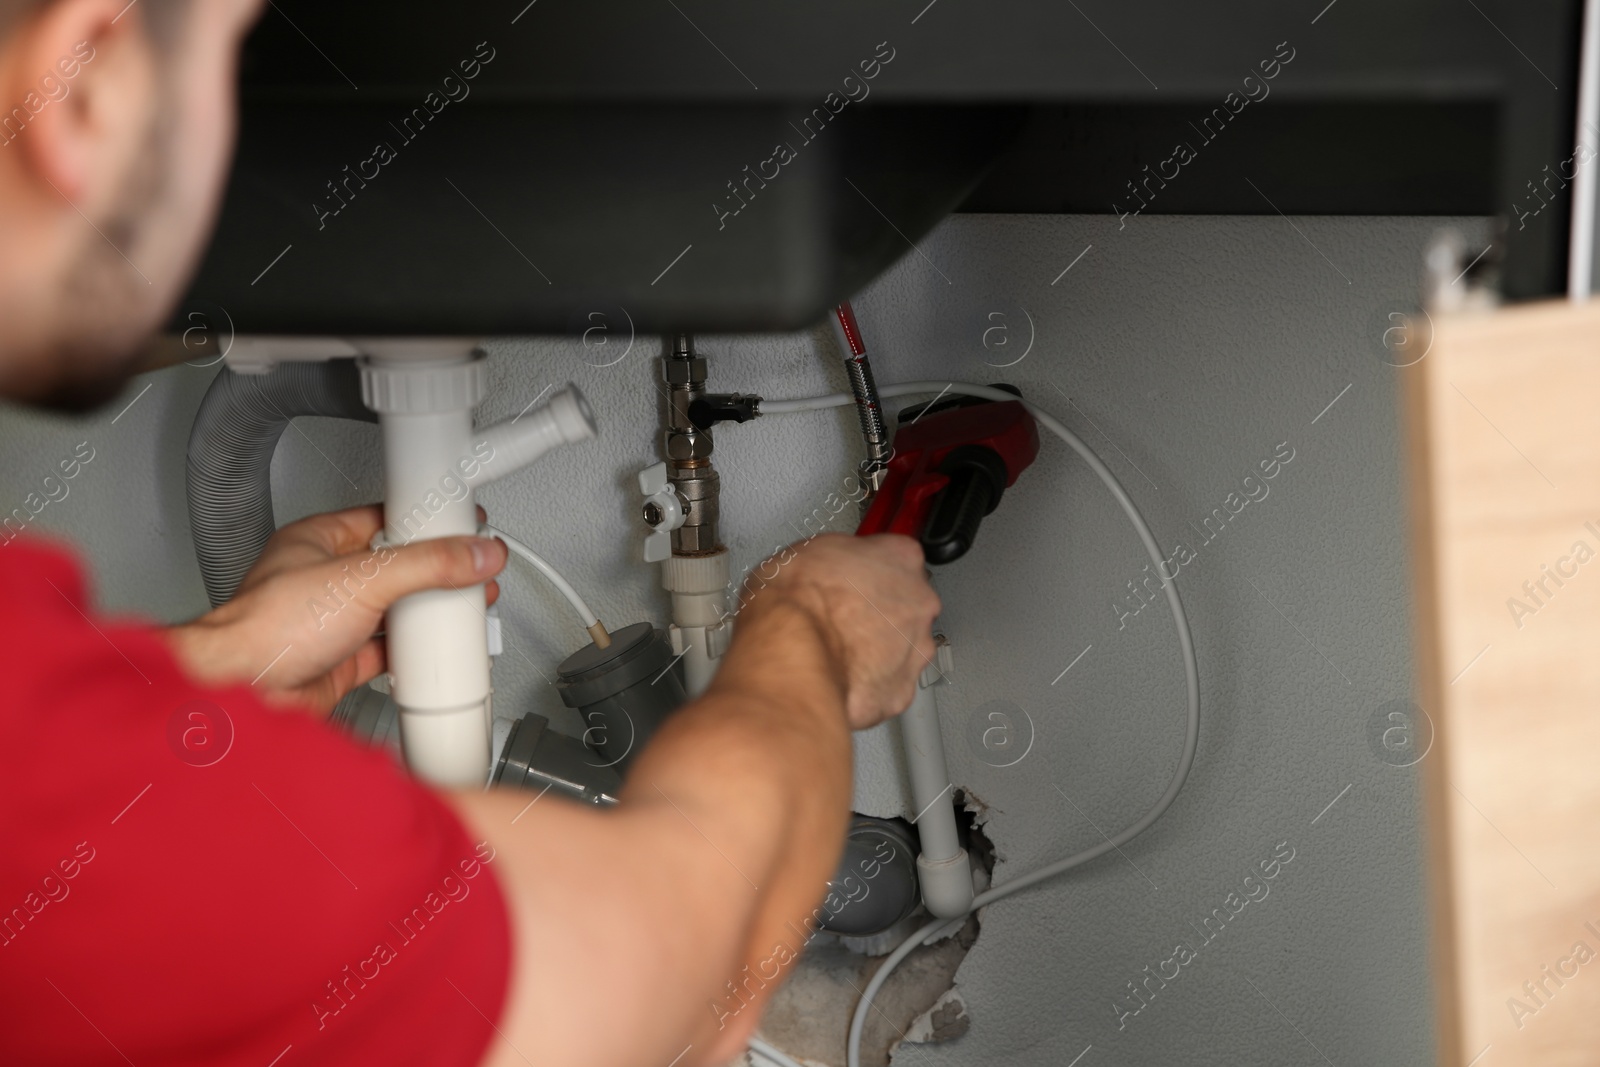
pixel 708 410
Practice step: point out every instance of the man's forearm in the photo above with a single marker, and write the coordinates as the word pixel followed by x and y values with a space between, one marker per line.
pixel 688 902
pixel 730 825
pixel 761 766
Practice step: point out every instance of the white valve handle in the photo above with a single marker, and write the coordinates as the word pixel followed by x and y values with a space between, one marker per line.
pixel 658 490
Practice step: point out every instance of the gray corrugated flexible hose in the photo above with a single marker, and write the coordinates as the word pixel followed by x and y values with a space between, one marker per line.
pixel 229 463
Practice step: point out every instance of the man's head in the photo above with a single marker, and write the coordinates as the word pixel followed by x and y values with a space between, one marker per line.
pixel 116 126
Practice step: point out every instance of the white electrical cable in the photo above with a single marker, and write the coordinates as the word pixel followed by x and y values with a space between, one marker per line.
pixel 561 584
pixel 933 930
pixel 811 403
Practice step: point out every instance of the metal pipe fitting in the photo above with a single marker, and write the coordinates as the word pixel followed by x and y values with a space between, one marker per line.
pixel 874 433
pixel 688 450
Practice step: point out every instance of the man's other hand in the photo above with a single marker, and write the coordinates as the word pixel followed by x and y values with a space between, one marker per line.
pixel 871 603
pixel 303 625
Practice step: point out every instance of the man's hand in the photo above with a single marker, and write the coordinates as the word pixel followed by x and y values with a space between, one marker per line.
pixel 302 625
pixel 873 608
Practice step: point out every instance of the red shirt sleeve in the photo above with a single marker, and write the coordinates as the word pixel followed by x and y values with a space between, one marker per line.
pixel 189 877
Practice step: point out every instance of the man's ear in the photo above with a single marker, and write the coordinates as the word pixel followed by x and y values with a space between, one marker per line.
pixel 80 88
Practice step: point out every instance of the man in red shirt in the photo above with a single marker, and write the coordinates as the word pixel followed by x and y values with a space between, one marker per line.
pixel 193 870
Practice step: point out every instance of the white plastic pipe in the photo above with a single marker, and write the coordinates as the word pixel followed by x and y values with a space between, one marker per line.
pixel 438 639
pixel 942 866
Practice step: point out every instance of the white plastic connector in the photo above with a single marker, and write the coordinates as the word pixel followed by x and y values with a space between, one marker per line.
pixel 699 588
pixel 946 884
pixel 447 747
pixel 505 447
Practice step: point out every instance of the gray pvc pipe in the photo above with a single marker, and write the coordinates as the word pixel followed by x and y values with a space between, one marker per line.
pixel 229 463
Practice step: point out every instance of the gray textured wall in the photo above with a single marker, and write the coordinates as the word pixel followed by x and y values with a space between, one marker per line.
pixel 1190 348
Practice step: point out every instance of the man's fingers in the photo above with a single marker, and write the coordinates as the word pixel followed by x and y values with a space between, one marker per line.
pixel 371 660
pixel 353 528
pixel 896 549
pixel 377 578
pixel 315 538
